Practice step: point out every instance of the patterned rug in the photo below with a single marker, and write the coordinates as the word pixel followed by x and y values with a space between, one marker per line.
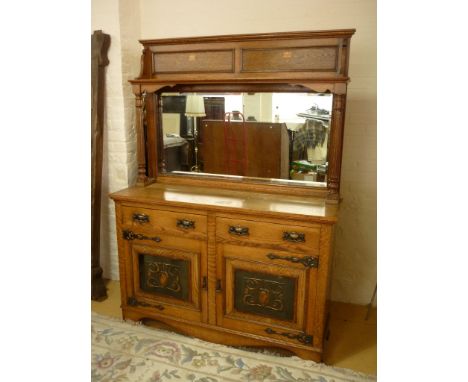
pixel 124 351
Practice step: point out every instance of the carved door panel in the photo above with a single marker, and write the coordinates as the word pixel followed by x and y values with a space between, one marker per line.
pixel 262 292
pixel 167 280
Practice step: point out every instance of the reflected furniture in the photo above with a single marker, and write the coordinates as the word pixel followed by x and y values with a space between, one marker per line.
pixel 232 259
pixel 266 152
pixel 176 153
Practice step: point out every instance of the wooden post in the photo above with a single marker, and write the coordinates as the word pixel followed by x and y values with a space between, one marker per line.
pixel 141 145
pixel 336 146
pixel 99 46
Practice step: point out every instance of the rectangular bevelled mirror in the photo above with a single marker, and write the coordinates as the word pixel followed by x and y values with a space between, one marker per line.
pixel 262 136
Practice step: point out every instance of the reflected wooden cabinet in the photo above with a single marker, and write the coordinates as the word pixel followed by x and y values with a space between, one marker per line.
pixel 265 153
pixel 229 259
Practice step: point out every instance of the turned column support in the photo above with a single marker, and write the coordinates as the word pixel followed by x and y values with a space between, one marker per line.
pixel 140 98
pixel 336 146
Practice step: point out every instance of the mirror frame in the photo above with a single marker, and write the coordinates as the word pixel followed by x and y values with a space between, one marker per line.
pixel 153 81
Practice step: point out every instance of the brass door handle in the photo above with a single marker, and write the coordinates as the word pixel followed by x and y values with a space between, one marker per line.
pixel 130 235
pixel 140 218
pixel 238 230
pixel 132 301
pixel 306 261
pixel 295 237
pixel 185 223
pixel 301 337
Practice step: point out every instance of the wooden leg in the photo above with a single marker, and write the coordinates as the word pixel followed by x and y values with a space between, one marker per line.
pixel 132 316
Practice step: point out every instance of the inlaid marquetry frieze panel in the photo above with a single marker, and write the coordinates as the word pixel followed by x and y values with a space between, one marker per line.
pixel 265 294
pixel 289 59
pixel 196 61
pixel 163 275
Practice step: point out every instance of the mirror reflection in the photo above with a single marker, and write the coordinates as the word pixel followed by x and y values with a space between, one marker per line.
pixel 282 136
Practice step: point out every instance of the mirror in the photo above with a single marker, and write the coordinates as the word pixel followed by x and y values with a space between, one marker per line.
pixel 260 136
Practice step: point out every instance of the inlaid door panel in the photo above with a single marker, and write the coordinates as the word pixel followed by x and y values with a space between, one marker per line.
pixel 265 297
pixel 263 294
pixel 164 275
pixel 167 280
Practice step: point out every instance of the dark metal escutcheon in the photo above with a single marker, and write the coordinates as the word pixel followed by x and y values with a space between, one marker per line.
pixel 140 218
pixel 204 283
pixel 238 230
pixel 301 337
pixel 218 286
pixel 185 223
pixel 295 237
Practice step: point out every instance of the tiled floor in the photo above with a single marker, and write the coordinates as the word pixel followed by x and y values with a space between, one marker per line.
pixel 352 343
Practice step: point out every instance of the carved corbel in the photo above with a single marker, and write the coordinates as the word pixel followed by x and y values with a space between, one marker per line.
pixel 319 87
pixel 153 88
pixel 145 64
pixel 142 64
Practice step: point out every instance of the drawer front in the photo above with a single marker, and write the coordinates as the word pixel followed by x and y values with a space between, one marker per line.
pixel 164 221
pixel 288 237
pixel 194 61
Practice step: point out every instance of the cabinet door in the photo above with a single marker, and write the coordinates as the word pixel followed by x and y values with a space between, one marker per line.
pixel 166 277
pixel 264 292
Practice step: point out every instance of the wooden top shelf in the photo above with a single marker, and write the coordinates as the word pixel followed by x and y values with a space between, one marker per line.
pixel 292 207
pixel 252 36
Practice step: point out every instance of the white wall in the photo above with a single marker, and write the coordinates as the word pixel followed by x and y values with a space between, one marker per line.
pixel 354 274
pixel 121 20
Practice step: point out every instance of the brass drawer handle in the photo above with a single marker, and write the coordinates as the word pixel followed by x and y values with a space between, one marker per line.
pixel 238 230
pixel 185 223
pixel 306 261
pixel 295 237
pixel 301 337
pixel 132 301
pixel 130 235
pixel 140 218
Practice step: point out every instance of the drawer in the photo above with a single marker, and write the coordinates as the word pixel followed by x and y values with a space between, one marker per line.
pixel 283 236
pixel 164 221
